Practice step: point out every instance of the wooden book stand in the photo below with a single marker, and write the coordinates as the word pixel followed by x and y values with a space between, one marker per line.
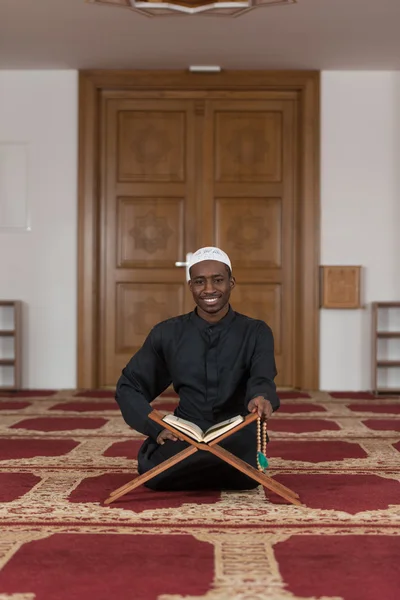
pixel 215 449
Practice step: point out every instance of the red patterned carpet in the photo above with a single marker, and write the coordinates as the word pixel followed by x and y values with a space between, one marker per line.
pixel 61 453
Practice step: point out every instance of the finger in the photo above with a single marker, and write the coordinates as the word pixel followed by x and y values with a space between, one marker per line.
pixel 268 413
pixel 256 407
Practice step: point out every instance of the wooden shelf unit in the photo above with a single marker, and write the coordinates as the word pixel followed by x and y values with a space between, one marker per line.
pixel 379 363
pixel 14 332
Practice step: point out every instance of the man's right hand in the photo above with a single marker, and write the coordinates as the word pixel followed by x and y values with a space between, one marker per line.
pixel 166 435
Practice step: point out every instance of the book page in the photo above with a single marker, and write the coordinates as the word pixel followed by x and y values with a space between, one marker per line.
pixel 191 429
pixel 233 420
pixel 220 428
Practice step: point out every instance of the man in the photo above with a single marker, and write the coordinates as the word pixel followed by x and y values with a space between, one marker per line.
pixel 221 364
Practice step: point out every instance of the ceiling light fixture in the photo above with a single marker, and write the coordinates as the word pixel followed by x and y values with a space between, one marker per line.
pixel 161 8
pixel 204 69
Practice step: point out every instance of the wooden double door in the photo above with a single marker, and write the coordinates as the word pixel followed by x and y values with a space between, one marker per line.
pixel 183 169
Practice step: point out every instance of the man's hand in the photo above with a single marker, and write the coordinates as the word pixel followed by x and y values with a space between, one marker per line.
pixel 262 406
pixel 166 435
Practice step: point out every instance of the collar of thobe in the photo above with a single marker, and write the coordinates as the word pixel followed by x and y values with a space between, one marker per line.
pixel 203 325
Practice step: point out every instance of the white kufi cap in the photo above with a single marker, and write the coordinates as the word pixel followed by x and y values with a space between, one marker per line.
pixel 209 253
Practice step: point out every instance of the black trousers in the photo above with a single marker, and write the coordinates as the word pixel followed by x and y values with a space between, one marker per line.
pixel 201 470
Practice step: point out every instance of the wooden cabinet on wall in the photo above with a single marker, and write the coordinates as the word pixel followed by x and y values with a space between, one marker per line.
pixel 386 347
pixel 10 346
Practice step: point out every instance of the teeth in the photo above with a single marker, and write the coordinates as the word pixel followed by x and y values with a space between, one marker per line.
pixel 211 301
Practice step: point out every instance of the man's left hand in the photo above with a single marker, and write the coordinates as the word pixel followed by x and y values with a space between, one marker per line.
pixel 262 406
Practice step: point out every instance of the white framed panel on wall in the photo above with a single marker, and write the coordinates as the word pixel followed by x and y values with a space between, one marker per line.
pixel 14 201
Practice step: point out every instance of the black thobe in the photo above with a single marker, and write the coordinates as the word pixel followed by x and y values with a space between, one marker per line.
pixel 216 369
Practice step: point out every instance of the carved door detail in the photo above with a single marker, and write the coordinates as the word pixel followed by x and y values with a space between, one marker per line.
pixel 175 177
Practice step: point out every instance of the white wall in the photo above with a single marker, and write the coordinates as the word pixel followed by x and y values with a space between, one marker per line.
pixel 360 212
pixel 39 109
pixel 360 216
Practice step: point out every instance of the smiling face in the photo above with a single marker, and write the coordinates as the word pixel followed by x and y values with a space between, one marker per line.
pixel 211 284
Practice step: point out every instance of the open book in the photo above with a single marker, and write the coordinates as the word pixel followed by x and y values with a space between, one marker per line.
pixel 196 433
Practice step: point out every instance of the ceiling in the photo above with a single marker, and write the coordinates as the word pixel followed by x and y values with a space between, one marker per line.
pixel 312 34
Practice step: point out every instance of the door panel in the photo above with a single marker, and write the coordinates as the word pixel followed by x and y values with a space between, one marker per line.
pixel 147 222
pixel 151 143
pixel 248 142
pixel 251 229
pixel 251 144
